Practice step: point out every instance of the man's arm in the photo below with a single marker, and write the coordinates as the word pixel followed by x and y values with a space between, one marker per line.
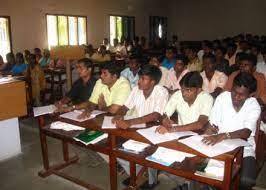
pixel 241 134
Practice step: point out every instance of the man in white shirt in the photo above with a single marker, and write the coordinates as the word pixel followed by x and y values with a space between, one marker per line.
pixel 157 61
pixel 131 73
pixel 261 65
pixel 148 99
pixel 234 115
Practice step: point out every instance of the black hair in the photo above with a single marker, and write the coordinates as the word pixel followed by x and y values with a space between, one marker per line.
pixel 86 62
pixel 152 71
pixel 172 49
pixel 112 68
pixel 21 56
pixel 222 49
pixel 208 44
pixel 232 45
pixel 209 56
pixel 183 58
pixel 248 57
pixel 136 57
pixel 192 79
pixel 37 50
pixel 246 80
pixel 158 57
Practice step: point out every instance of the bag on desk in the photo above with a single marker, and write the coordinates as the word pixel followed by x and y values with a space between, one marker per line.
pixel 88 136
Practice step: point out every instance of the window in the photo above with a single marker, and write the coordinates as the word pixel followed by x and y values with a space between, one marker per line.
pixel 122 27
pixel 5 36
pixel 66 30
pixel 158 27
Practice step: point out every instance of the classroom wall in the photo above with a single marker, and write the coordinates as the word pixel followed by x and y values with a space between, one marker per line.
pixel 28 22
pixel 211 19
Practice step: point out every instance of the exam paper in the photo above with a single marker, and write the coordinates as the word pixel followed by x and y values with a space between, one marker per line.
pixel 107 123
pixel 65 126
pixel 172 156
pixel 156 138
pixel 73 115
pixel 227 145
pixel 37 111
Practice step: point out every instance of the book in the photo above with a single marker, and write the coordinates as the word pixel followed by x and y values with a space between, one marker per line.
pixel 90 137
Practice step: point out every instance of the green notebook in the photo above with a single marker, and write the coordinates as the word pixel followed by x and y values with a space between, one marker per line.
pixel 87 136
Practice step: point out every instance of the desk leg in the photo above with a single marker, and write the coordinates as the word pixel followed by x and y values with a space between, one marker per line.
pixel 228 174
pixel 44 150
pixel 112 159
pixel 133 174
pixel 65 151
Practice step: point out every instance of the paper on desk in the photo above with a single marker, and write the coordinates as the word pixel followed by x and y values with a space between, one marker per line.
pixel 215 168
pixel 107 123
pixel 37 111
pixel 65 126
pixel 227 145
pixel 172 156
pixel 156 138
pixel 135 145
pixel 73 115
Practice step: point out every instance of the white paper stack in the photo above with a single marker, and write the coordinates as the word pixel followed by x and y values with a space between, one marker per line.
pixel 215 168
pixel 166 156
pixel 73 115
pixel 37 111
pixel 227 145
pixel 135 146
pixel 156 138
pixel 107 123
pixel 65 126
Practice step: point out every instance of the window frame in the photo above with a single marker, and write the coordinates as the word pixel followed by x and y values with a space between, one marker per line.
pixel 126 16
pixel 9 31
pixel 68 37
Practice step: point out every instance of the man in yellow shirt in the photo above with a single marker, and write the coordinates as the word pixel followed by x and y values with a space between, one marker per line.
pixel 109 94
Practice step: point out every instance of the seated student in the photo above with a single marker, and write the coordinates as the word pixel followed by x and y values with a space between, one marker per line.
pixel 83 87
pixel 6 68
pixel 89 51
pixel 101 55
pixel 109 93
pixel 261 66
pixel 231 53
pixel 213 80
pixel 234 115
pixel 148 99
pixel 194 63
pixel 192 105
pixel 157 61
pixel 20 67
pixel 26 56
pixel 222 64
pixel 45 60
pixel 119 50
pixel 256 50
pixel 131 73
pixel 207 47
pixel 106 44
pixel 38 54
pixel 169 60
pixel 36 75
pixel 176 73
pixel 248 65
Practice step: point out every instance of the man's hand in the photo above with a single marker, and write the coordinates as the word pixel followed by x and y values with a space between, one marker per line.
pixel 211 130
pixel 167 122
pixel 116 118
pixel 214 139
pixel 162 129
pixel 101 102
pixel 84 115
pixel 123 124
pixel 63 109
pixel 58 104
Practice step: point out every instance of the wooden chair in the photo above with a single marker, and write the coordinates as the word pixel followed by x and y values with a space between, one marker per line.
pixel 259 140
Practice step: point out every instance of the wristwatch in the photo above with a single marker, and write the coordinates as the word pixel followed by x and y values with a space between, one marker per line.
pixel 228 136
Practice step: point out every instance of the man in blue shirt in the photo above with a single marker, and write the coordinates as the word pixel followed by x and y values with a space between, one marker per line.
pixel 169 60
pixel 20 67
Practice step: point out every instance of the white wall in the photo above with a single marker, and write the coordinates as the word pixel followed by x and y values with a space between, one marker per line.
pixel 210 19
pixel 28 22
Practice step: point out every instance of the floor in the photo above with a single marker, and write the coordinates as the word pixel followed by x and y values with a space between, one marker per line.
pixel 20 172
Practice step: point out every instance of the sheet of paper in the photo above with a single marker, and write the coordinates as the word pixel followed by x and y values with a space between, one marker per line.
pixel 172 156
pixel 135 145
pixel 107 123
pixel 65 126
pixel 156 138
pixel 37 111
pixel 227 145
pixel 73 115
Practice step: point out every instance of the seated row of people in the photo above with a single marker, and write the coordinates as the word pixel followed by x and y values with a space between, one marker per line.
pixel 149 102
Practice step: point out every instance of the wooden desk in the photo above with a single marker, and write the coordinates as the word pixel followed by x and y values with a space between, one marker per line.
pixel 186 169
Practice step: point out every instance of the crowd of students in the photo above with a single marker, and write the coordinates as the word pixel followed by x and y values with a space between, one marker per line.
pixel 219 90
